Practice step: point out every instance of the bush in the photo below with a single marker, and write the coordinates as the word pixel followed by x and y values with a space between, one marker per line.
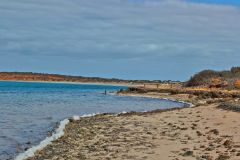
pixel 235 70
pixel 215 79
pixel 202 78
pixel 234 106
pixel 174 92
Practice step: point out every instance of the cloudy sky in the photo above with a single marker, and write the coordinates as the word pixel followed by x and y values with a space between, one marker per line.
pixel 129 39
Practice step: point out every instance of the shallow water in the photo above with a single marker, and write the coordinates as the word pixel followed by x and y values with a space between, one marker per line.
pixel 30 109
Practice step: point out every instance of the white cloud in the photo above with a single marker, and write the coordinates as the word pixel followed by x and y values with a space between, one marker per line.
pixel 122 29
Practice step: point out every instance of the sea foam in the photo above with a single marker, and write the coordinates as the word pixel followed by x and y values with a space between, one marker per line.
pixel 57 134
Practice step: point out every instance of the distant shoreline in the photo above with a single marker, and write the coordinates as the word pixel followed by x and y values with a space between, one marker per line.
pixel 66 82
pixel 53 78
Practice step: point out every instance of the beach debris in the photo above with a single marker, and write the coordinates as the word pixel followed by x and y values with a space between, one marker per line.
pixel 223 156
pixel 214 131
pixel 228 143
pixel 28 143
pixel 188 153
pixel 25 149
pixel 199 133
pixel 207 157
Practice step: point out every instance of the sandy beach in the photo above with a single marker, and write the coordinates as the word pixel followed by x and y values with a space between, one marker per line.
pixel 196 133
pixel 120 80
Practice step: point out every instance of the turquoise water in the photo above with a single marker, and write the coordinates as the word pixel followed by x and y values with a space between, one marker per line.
pixel 29 110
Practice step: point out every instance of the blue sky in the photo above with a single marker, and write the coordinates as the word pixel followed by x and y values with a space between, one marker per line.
pixel 223 2
pixel 151 39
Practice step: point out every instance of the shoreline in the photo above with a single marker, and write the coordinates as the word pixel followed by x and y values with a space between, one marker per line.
pixel 63 82
pixel 62 124
pixel 57 145
pixel 48 140
pixel 154 96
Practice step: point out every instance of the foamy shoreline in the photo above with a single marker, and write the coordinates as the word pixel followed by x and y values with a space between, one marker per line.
pixel 199 132
pixel 48 140
pixel 203 132
pixel 60 130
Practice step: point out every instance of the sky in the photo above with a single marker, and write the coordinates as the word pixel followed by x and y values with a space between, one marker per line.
pixel 225 2
pixel 127 39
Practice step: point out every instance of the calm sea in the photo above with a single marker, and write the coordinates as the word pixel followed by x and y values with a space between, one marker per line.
pixel 29 110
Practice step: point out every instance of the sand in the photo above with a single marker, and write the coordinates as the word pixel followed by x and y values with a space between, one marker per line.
pixel 197 133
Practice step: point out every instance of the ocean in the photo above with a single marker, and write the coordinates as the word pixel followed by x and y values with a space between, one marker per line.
pixel 30 111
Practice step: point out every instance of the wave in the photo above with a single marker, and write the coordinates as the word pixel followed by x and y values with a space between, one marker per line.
pixel 57 134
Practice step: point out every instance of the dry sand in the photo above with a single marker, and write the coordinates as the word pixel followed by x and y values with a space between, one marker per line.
pixel 198 133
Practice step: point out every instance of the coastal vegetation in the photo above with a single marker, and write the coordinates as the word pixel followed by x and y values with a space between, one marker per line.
pixel 216 79
pixel 230 105
pixel 205 87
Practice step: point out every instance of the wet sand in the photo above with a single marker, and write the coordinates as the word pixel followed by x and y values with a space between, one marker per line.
pixel 198 133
